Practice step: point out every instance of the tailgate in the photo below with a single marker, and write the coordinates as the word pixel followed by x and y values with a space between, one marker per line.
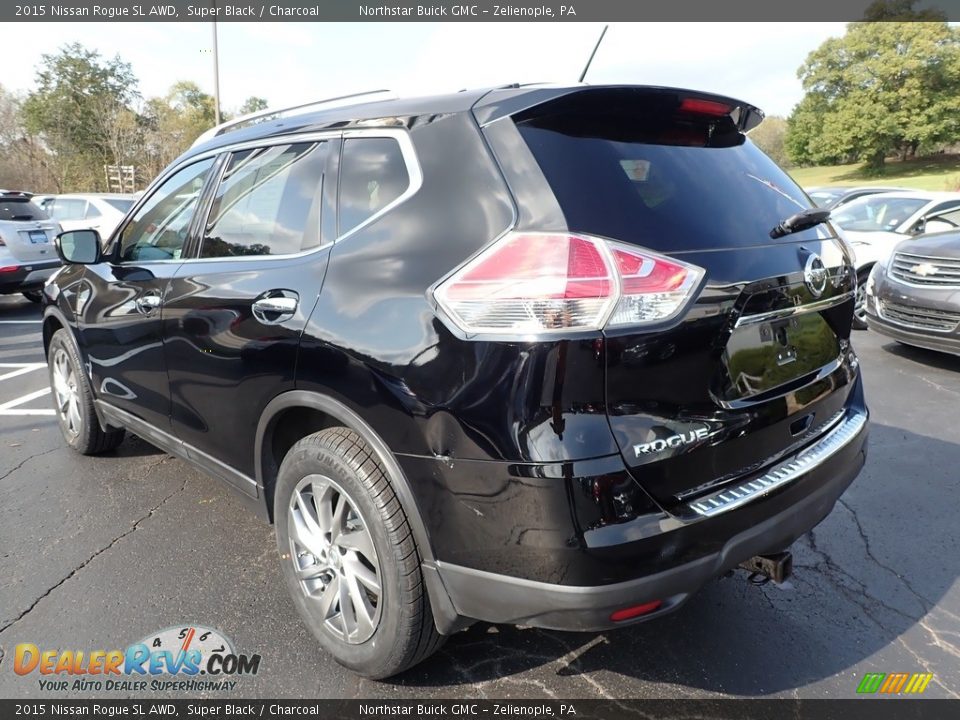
pixel 30 241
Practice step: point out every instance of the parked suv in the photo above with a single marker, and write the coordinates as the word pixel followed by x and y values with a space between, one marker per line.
pixel 554 356
pixel 27 254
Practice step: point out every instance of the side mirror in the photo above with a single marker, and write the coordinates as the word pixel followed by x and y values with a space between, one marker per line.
pixel 919 227
pixel 79 247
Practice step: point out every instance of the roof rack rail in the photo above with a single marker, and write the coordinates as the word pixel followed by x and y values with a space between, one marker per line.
pixel 249 117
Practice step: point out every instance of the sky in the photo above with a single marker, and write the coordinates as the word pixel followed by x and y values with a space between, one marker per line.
pixel 292 63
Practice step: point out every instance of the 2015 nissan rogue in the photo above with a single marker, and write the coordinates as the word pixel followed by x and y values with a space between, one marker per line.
pixel 544 355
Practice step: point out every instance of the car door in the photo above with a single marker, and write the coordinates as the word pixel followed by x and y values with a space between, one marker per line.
pixel 119 303
pixel 235 310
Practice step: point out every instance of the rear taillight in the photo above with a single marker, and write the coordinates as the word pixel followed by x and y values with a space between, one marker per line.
pixel 530 283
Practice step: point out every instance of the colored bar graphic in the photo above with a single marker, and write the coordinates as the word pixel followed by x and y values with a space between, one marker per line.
pixel 894 683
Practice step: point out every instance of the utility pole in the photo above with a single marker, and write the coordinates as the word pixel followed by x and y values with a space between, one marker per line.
pixel 216 74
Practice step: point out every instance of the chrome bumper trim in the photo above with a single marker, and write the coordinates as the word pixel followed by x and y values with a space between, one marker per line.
pixel 733 497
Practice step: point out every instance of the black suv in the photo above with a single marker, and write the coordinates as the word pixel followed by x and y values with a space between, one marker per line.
pixel 554 356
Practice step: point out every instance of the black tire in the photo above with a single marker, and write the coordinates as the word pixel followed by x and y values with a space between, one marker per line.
pixel 859 307
pixel 405 633
pixel 88 437
pixel 33 295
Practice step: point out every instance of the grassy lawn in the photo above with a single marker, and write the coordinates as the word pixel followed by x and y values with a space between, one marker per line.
pixel 939 172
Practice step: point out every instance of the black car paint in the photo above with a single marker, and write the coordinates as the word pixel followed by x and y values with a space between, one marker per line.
pixel 514 457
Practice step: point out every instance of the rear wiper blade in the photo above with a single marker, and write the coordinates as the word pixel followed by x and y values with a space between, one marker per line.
pixel 801 221
pixel 22 217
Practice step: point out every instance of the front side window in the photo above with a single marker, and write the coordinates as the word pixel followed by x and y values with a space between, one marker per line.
pixel 372 175
pixel 158 230
pixel 268 202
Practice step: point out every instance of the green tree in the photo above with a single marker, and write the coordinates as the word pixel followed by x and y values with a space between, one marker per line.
pixel 74 88
pixel 252 104
pixel 770 136
pixel 173 122
pixel 884 87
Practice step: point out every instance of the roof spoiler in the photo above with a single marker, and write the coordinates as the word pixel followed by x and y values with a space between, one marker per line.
pixel 237 122
pixel 518 101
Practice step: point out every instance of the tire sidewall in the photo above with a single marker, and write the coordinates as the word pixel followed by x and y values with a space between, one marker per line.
pixel 378 650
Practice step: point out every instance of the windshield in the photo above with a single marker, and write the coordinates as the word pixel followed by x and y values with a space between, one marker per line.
pixel 20 209
pixel 877 213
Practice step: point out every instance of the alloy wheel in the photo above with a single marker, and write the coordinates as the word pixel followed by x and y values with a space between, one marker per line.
pixel 66 393
pixel 335 559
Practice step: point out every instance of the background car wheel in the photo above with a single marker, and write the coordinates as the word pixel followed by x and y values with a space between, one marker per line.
pixel 349 558
pixel 73 400
pixel 860 301
pixel 33 295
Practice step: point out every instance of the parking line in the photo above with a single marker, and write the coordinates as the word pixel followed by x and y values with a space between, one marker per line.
pixel 23 369
pixel 20 322
pixel 10 407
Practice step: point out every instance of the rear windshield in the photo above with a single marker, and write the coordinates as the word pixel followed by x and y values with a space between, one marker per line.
pixel 120 204
pixel 661 185
pixel 20 210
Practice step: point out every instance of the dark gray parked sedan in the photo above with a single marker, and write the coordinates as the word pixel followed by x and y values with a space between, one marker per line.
pixel 914 296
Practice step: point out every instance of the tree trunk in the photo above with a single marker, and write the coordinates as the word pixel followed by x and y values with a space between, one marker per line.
pixel 876 161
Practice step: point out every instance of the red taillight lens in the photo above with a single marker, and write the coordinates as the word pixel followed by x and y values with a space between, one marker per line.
pixel 653 288
pixel 9 268
pixel 531 283
pixel 635 611
pixel 704 107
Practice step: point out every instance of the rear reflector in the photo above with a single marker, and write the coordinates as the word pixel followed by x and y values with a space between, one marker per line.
pixel 635 611
pixel 532 283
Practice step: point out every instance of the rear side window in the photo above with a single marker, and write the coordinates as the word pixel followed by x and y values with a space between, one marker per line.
pixel 69 208
pixel 373 174
pixel 119 203
pixel 20 210
pixel 268 202
pixel 664 184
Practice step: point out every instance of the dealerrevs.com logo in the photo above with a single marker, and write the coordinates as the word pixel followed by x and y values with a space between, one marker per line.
pixel 185 658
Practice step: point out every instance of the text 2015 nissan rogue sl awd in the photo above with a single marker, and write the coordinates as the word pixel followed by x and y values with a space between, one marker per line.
pixel 544 355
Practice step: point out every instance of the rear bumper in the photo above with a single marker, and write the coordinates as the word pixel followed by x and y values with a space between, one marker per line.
pixel 767 524
pixel 29 276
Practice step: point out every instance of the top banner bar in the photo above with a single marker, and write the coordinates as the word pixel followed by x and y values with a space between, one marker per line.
pixel 467 11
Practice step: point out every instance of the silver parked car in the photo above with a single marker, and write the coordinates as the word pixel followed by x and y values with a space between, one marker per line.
pixel 914 295
pixel 27 254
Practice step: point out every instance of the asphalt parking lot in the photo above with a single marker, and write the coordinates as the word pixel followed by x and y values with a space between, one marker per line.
pixel 96 553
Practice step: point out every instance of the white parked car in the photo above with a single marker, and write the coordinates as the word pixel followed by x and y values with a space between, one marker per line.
pixel 96 211
pixel 873 225
pixel 27 255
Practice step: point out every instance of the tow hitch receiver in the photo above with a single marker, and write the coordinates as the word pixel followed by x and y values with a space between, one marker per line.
pixel 778 567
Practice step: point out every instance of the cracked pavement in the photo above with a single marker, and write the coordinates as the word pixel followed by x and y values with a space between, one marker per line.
pixel 96 553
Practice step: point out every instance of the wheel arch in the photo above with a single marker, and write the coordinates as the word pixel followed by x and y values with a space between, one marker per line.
pixel 324 411
pixel 317 412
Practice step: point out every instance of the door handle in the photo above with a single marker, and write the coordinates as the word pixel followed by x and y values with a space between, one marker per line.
pixel 272 310
pixel 148 303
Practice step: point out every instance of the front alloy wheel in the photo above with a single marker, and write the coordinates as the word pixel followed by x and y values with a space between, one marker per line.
pixel 66 394
pixel 334 558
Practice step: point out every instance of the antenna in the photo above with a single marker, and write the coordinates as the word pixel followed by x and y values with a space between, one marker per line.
pixel 595 48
